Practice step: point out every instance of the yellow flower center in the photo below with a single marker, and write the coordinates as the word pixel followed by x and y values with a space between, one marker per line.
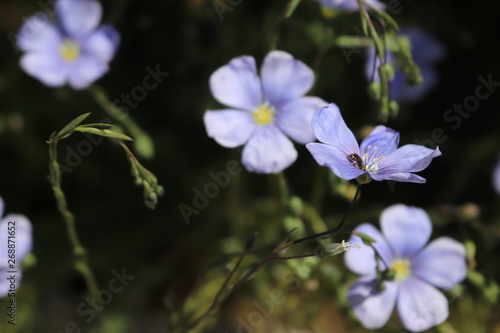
pixel 69 50
pixel 401 268
pixel 264 114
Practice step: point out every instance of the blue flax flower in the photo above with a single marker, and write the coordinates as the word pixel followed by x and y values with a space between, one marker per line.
pixel 13 249
pixel 378 156
pixel 74 50
pixel 264 111
pixel 350 5
pixel 496 177
pixel 418 270
pixel 426 51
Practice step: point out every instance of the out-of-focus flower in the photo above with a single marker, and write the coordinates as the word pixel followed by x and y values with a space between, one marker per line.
pixel 350 5
pixel 264 111
pixel 496 177
pixel 73 50
pixel 378 156
pixel 15 243
pixel 426 51
pixel 416 271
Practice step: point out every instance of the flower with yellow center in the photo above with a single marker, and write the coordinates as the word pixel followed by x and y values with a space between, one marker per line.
pixel 401 270
pixel 69 50
pixel 73 49
pixel 264 114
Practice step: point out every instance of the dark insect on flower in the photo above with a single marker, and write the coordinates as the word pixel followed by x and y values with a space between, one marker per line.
pixel 357 161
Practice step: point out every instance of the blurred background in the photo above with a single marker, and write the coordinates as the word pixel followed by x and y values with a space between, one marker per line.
pixel 190 39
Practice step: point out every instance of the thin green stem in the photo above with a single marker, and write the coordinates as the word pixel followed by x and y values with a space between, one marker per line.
pixel 286 13
pixel 272 255
pixel 331 231
pixel 142 141
pixel 380 50
pixel 284 190
pixel 216 302
pixel 79 252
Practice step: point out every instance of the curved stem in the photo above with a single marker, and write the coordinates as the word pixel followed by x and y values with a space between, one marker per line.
pixel 272 256
pixel 331 231
pixel 380 54
pixel 142 141
pixel 79 252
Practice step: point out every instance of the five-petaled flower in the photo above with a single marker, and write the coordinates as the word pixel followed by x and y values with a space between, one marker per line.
pixel 417 271
pixel 350 5
pixel 377 156
pixel 16 242
pixel 74 50
pixel 264 111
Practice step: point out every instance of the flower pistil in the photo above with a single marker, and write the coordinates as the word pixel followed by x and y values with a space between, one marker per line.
pixel 401 268
pixel 69 50
pixel 264 114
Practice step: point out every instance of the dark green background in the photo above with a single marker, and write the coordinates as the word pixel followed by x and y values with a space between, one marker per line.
pixel 187 39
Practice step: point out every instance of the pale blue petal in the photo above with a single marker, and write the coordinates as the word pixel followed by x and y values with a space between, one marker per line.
pixel 49 68
pixel 330 128
pixel 399 177
pixel 268 151
pixel 295 117
pixel 79 17
pixel 237 84
pixel 335 159
pixel 23 236
pixel 496 178
pixel 406 228
pixel 409 158
pixel 362 261
pixel 85 70
pixel 441 263
pixel 372 307
pixel 284 78
pixel 381 142
pixel 350 5
pixel 102 43
pixel 420 305
pixel 381 129
pixel 230 128
pixel 35 35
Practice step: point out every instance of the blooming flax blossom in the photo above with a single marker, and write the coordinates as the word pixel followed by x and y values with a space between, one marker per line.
pixel 496 177
pixel 426 51
pixel 15 243
pixel 264 111
pixel 74 50
pixel 418 270
pixel 378 155
pixel 350 5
